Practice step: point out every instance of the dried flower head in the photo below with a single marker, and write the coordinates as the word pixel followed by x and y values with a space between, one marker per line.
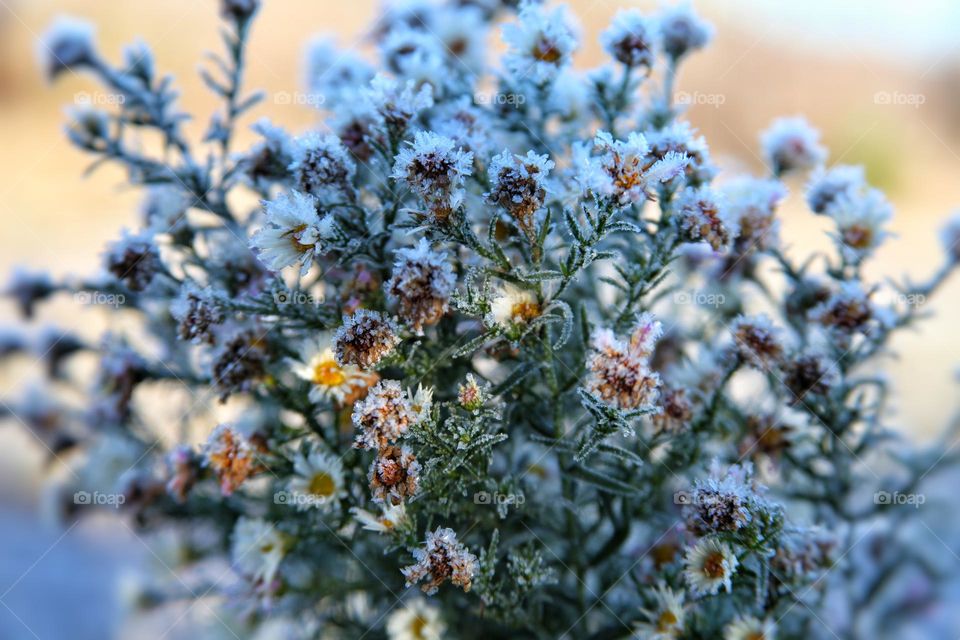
pixel 701 218
pixel 676 410
pixel 435 169
pixel 518 185
pixel 197 313
pixel 619 370
pixel 364 338
pixel 231 457
pixel 752 203
pixel 396 102
pixel 134 260
pixel 809 373
pixel 384 416
pixel 826 186
pixel 394 475
pixel 848 310
pixel 240 364
pixel 442 558
pixel 860 217
pixel 791 144
pixel 682 30
pixel 631 39
pixel 322 167
pixel 421 285
pixel 757 341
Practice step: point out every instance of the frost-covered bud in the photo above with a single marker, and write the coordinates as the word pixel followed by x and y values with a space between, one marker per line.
pixel 826 186
pixel 518 185
pixel 681 139
pixel 239 10
pixel 294 232
pixel 442 558
pixel 65 45
pixel 184 471
pixel 471 394
pixel 240 364
pixel 231 457
pixel 757 341
pixel 709 566
pixel 752 204
pixel 676 410
pixel 421 285
pixel 28 288
pixel 364 338
pixel 398 103
pixel 682 30
pixel 702 219
pixel 725 502
pixel 322 167
pixel 809 373
pixel 434 168
pixel 88 128
pixel 384 416
pixel 134 260
pixel 196 312
pixel 848 310
pixel 268 161
pixel 540 43
pixel 950 238
pixel 791 144
pixel 334 73
pixel 415 55
pixel 631 39
pixel 624 169
pixel 860 217
pixel 750 628
pixel 394 475
pixel 619 370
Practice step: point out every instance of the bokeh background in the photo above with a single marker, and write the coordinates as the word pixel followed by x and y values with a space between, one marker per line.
pixel 879 78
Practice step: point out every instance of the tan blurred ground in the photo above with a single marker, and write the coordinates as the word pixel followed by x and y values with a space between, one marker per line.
pixel 51 216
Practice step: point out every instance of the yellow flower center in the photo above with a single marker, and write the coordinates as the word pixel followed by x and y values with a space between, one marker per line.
pixel 713 566
pixel 417 626
pixel 667 621
pixel 295 239
pixel 525 310
pixel 328 374
pixel 322 484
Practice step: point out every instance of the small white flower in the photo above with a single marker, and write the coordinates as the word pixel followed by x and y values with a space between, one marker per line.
pixel 294 232
pixel 258 548
pixel 392 516
pixel 752 204
pixel 416 620
pixel 750 628
pixel 791 144
pixel 318 480
pixel 665 621
pixel 540 43
pixel 330 381
pixel 828 185
pixel 860 217
pixel 513 307
pixel 682 30
pixel 710 566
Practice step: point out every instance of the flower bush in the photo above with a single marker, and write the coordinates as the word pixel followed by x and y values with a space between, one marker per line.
pixel 495 355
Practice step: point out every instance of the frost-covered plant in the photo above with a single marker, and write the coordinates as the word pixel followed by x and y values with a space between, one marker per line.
pixel 468 388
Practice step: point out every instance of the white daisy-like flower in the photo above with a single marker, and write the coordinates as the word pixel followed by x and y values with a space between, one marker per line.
pixel 294 232
pixel 791 144
pixel 750 628
pixel 434 168
pixel 631 39
pixel 330 381
pixel 257 550
pixel 540 42
pixel 513 308
pixel 860 218
pixel 665 621
pixel 462 32
pixel 710 565
pixel 317 481
pixel 392 516
pixel 416 620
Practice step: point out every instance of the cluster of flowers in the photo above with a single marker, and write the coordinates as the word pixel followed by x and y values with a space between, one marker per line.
pixel 509 256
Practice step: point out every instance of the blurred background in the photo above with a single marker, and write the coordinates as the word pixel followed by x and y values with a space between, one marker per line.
pixel 879 78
